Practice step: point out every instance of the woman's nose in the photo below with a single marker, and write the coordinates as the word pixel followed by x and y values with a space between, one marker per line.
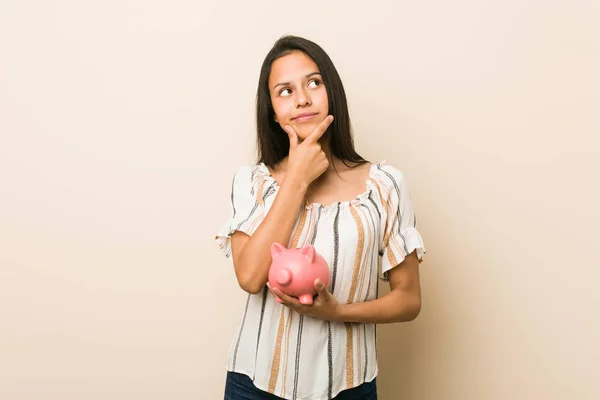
pixel 302 99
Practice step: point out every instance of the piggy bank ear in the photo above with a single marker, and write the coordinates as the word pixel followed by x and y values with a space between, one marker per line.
pixel 277 248
pixel 309 252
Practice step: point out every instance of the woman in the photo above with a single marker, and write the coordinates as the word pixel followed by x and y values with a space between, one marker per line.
pixel 310 186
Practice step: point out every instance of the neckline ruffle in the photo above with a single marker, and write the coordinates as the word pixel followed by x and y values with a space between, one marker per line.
pixel 361 198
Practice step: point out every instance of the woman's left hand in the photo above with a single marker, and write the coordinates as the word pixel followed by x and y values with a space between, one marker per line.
pixel 324 305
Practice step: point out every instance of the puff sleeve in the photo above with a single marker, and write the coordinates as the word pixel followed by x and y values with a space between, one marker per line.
pixel 400 235
pixel 246 210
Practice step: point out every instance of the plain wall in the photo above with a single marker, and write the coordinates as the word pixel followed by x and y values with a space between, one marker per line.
pixel 122 122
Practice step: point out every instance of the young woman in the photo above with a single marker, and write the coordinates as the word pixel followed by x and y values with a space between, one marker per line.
pixel 310 186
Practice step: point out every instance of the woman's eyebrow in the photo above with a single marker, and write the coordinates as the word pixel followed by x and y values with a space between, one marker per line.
pixel 288 83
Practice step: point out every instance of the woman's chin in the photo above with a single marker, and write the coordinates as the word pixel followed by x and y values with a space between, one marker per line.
pixel 305 130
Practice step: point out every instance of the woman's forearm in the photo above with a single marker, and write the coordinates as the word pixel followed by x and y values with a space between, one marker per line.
pixel 396 306
pixel 253 260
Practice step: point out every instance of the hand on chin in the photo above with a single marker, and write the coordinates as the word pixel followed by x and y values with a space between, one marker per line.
pixel 305 129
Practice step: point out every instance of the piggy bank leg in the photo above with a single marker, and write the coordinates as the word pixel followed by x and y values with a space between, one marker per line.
pixel 306 299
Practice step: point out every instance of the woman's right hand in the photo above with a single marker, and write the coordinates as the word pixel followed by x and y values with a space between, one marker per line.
pixel 307 160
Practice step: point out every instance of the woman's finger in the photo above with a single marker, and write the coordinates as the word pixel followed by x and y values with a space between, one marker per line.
pixel 320 129
pixel 286 299
pixel 292 135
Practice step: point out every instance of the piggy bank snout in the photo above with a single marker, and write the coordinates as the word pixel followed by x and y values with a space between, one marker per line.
pixel 283 277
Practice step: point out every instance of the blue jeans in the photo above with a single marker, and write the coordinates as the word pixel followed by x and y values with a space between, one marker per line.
pixel 240 387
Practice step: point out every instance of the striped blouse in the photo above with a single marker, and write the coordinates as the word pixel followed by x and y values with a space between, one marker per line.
pixel 300 357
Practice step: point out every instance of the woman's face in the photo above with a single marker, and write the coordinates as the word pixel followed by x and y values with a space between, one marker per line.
pixel 298 94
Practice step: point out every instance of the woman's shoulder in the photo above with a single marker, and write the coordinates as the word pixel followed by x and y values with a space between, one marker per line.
pixel 389 175
pixel 250 171
pixel 251 177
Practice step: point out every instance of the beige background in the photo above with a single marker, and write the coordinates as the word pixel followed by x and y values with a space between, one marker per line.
pixel 122 123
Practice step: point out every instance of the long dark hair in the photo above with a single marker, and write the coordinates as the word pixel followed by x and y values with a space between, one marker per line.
pixel 273 143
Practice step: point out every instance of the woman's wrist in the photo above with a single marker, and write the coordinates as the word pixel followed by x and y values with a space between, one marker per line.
pixel 341 313
pixel 295 183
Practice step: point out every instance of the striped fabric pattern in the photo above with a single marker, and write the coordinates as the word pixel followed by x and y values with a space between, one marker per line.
pixel 300 357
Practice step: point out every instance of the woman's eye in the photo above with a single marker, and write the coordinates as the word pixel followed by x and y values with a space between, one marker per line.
pixel 314 83
pixel 284 92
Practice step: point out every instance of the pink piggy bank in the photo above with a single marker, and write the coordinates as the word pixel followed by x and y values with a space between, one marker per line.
pixel 294 271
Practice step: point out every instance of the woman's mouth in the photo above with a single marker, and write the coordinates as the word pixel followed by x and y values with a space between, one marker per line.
pixel 304 117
